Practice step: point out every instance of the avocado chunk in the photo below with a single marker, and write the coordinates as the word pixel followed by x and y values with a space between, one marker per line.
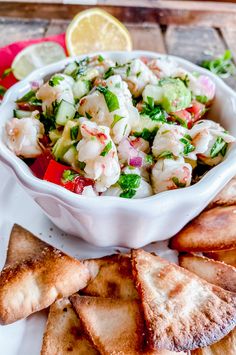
pixel 175 95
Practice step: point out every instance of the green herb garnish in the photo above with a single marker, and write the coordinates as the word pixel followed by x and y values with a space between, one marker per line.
pixel 74 133
pixel 149 159
pixel 154 112
pixel 202 98
pixel 128 194
pixel 146 134
pixel 68 175
pixel 2 90
pixel 110 98
pixel 81 164
pixel 177 182
pixel 167 154
pixel 55 80
pixel 128 70
pixel 138 74
pixel 88 115
pixel 109 73
pixel 222 66
pixel 116 119
pixel 6 72
pixel 107 149
pixel 100 58
pixel 188 147
pixel 129 183
pixel 220 146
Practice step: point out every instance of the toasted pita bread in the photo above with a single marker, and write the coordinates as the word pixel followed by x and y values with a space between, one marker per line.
pixel 182 311
pixel 33 280
pixel 227 346
pixel 214 229
pixel 227 196
pixel 115 326
pixel 215 272
pixel 226 256
pixel 114 277
pixel 64 333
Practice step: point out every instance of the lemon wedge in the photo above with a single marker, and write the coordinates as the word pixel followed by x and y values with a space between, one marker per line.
pixel 95 30
pixel 36 56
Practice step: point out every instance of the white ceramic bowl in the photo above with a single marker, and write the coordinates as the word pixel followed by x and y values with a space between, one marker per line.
pixel 109 221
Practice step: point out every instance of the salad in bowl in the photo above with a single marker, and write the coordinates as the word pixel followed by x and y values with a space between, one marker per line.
pixel 101 128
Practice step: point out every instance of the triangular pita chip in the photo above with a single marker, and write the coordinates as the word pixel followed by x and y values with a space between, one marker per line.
pixel 214 229
pixel 114 277
pixel 64 333
pixel 227 196
pixel 33 280
pixel 226 256
pixel 115 326
pixel 182 311
pixel 212 271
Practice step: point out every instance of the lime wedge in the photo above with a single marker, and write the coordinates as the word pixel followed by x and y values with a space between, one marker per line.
pixel 36 56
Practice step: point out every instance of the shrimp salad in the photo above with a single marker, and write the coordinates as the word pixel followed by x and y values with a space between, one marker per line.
pixel 132 130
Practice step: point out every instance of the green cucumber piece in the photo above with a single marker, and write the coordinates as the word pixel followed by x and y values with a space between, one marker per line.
pixel 54 135
pixel 21 113
pixel 71 68
pixel 71 156
pixel 65 112
pixel 81 88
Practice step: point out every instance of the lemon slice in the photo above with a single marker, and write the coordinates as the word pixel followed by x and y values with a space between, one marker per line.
pixel 36 56
pixel 95 30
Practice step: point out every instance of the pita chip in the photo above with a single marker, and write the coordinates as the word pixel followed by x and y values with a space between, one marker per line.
pixel 114 277
pixel 64 333
pixel 212 230
pixel 226 256
pixel 35 275
pixel 115 326
pixel 215 272
pixel 182 311
pixel 227 196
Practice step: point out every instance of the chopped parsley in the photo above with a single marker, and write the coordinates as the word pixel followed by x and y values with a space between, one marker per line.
pixel 88 115
pixel 188 137
pixel 110 98
pixel 154 112
pixel 100 58
pixel 185 80
pixel 222 66
pixel 128 70
pixel 219 147
pixel 166 154
pixel 55 80
pixel 177 182
pixel 74 133
pixel 107 149
pixel 81 164
pixel 146 134
pixel 30 98
pixel 2 90
pixel 68 175
pixel 6 72
pixel 138 74
pixel 188 147
pixel 109 73
pixel 129 183
pixel 202 99
pixel 149 159
pixel 116 119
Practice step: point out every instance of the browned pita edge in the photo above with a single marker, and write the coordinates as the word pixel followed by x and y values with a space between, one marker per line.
pixel 227 196
pixel 121 328
pixel 33 281
pixel 226 256
pixel 64 333
pixel 215 272
pixel 114 277
pixel 227 346
pixel 168 292
pixel 212 230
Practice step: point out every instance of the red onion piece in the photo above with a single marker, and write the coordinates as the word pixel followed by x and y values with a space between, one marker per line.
pixel 136 162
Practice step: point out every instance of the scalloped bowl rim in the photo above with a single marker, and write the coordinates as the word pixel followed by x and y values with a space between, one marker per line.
pixel 25 176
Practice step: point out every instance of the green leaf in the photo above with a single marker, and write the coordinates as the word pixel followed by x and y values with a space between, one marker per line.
pixel 6 72
pixel 100 58
pixel 149 159
pixel 2 90
pixel 68 175
pixel 138 74
pixel 182 122
pixel 81 164
pixel 108 73
pixel 217 148
pixel 55 80
pixel 128 194
pixel 177 182
pixel 188 147
pixel 116 119
pixel 167 154
pixel 128 70
pixel 155 113
pixel 74 133
pixel 110 98
pixel 202 98
pixel 88 115
pixel 222 66
pixel 129 181
pixel 188 137
pixel 107 149
pixel 30 98
pixel 146 134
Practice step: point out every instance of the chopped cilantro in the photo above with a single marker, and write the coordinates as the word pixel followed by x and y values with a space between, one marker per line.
pixel 149 159
pixel 55 80
pixel 6 72
pixel 88 115
pixel 2 90
pixel 138 74
pixel 166 154
pixel 125 129
pixel 146 134
pixel 128 70
pixel 188 137
pixel 185 80
pixel 202 98
pixel 188 147
pixel 129 183
pixel 81 164
pixel 222 66
pixel 110 98
pixel 74 133
pixel 116 119
pixel 128 194
pixel 107 149
pixel 182 122
pixel 100 58
pixel 217 148
pixel 177 182
pixel 155 113
pixel 108 73
pixel 68 175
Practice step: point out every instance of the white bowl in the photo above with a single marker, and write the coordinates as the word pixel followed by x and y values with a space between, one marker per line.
pixel 109 221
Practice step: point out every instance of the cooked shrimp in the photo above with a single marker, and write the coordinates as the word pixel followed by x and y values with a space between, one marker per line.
pixel 98 151
pixel 169 174
pixel 23 136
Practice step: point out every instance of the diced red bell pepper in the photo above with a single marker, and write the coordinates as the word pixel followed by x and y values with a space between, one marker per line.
pixel 54 173
pixel 40 164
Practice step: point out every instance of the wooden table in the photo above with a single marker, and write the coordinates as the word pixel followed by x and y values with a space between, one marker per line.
pixel 193 30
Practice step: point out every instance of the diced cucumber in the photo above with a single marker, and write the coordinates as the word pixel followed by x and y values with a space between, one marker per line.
pixel 65 111
pixel 71 156
pixel 54 135
pixel 21 113
pixel 60 148
pixel 89 74
pixel 81 88
pixel 71 68
pixel 153 91
pixel 67 131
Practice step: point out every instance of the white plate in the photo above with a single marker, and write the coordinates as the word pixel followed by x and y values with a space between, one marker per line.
pixel 24 337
